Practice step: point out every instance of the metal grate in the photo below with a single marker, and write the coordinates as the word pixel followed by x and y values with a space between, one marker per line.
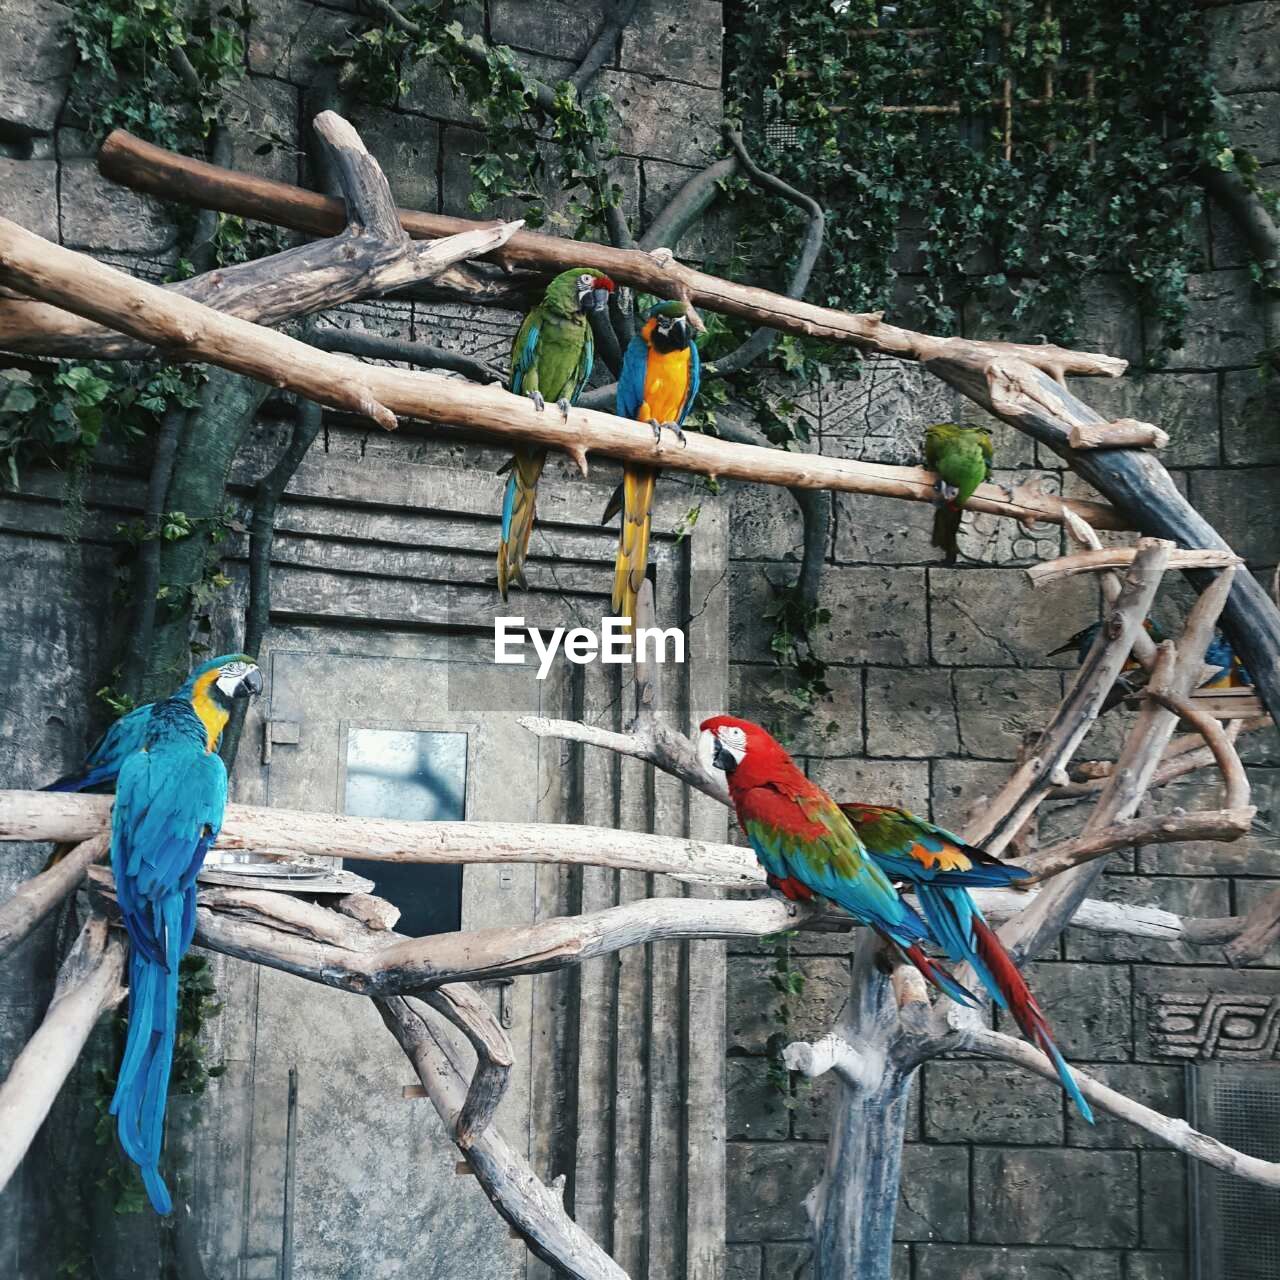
pixel 1238 1223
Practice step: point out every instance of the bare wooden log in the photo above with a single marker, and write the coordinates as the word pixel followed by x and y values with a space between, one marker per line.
pixel 133 163
pixel 1176 1133
pixel 832 1053
pixel 1161 828
pixel 189 331
pixel 1245 939
pixel 467 1010
pixel 1124 433
pixel 1030 782
pixel 1224 752
pixel 531 1208
pixel 1118 557
pixel 48 815
pixel 89 983
pixel 35 898
pixel 371 256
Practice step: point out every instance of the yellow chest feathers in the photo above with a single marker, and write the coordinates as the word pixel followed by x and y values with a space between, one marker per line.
pixel 212 715
pixel 666 384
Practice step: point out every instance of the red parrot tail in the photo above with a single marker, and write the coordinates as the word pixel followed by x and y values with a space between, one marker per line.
pixel 790 888
pixel 935 974
pixel 946 530
pixel 1023 1007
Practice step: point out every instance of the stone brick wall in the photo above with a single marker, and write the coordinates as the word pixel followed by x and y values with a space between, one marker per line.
pixel 935 674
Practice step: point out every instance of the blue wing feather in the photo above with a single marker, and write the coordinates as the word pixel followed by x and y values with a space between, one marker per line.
pixel 526 357
pixel 630 394
pixel 695 381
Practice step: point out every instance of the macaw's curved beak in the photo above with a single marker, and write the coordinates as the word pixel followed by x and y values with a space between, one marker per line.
pixel 251 685
pixel 598 300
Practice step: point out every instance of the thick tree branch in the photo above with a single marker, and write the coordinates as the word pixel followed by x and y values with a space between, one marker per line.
pixel 371 255
pixel 688 203
pixel 373 346
pixel 1030 782
pixel 133 163
pixel 762 339
pixel 1045 571
pixel 617 14
pixel 34 899
pixel 1176 1133
pixel 89 983
pixel 534 1210
pixel 190 331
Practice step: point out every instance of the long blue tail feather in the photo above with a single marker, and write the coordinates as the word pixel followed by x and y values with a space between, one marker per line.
pixel 143 1085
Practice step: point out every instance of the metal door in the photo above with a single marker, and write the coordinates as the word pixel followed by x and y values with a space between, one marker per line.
pixel 341 1175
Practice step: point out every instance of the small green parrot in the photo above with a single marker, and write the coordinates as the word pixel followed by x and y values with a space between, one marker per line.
pixel 962 458
pixel 551 359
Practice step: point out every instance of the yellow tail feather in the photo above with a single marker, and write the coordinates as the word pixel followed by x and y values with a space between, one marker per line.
pixel 633 539
pixel 526 468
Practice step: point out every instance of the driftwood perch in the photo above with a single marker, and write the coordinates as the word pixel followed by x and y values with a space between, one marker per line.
pixel 1124 433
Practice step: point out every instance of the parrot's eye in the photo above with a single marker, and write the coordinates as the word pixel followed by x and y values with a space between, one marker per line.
pixel 585 283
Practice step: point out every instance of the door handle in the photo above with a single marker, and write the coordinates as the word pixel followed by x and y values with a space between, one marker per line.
pixel 506 1011
pixel 284 733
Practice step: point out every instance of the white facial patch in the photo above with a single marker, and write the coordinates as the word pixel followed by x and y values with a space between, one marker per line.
pixel 734 741
pixel 707 750
pixel 229 677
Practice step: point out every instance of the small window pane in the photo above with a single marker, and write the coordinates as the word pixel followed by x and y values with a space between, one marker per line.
pixel 418 776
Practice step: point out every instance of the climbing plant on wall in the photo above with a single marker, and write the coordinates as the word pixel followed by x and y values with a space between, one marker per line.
pixel 1017 149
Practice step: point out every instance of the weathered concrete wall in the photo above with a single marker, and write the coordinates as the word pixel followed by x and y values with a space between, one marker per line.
pixel 936 672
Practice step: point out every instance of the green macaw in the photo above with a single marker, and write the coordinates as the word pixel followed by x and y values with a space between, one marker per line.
pixel 551 359
pixel 962 458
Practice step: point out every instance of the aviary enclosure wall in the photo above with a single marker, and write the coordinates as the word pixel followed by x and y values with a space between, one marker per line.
pixel 935 672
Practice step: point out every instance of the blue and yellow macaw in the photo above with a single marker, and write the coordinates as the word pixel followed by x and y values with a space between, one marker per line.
pixel 941 869
pixel 1230 672
pixel 659 382
pixel 551 359
pixel 171 791
pixel 125 736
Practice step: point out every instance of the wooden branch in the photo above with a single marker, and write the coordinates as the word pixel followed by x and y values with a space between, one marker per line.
pixel 189 331
pixel 1224 753
pixel 469 1012
pixel 1246 939
pixel 371 256
pixel 1124 433
pixel 1030 782
pixel 1118 558
pixel 832 1053
pixel 35 898
pixel 1176 1133
pixel 531 1207
pixel 1176 670
pixel 51 815
pixel 133 163
pixel 1162 828
pixel 89 983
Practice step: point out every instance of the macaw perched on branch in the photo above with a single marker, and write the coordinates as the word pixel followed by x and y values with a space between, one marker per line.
pixel 658 385
pixel 126 735
pixel 941 869
pixel 170 796
pixel 962 458
pixel 1229 673
pixel 551 359
pixel 806 845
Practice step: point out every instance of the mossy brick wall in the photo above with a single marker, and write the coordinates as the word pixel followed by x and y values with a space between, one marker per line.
pixel 935 674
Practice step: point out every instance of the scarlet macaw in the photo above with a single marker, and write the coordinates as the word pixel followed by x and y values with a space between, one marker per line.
pixel 658 385
pixel 942 868
pixel 170 796
pixel 962 458
pixel 806 845
pixel 103 760
pixel 551 359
